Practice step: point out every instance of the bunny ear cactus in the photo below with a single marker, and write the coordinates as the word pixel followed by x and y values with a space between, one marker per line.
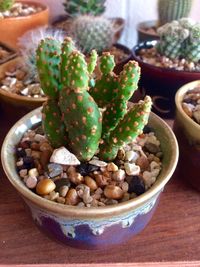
pixel 75 8
pixel 6 5
pixel 71 116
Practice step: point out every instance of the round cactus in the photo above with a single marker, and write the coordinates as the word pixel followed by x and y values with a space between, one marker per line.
pixel 6 5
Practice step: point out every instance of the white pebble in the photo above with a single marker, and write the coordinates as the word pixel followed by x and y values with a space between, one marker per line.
pixel 131 168
pixel 119 175
pixel 33 172
pixel 31 182
pixel 39 138
pixel 23 173
pixel 154 165
pixel 98 163
pixel 131 156
pixel 155 172
pixel 63 156
pixel 146 175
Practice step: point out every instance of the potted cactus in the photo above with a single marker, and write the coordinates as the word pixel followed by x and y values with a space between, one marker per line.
pixel 17 17
pixel 168 10
pixel 79 179
pixel 169 62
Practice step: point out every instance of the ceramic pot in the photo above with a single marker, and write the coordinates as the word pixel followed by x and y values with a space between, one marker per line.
pixel 11 51
pixel 14 27
pixel 91 228
pixel 17 102
pixel 188 136
pixel 146 32
pixel 161 83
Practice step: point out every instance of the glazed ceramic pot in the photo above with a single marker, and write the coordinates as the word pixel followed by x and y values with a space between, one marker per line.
pixel 146 31
pixel 14 27
pixel 161 83
pixel 188 136
pixel 17 102
pixel 91 228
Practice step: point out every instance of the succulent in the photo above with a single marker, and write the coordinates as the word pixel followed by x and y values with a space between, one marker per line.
pixel 169 10
pixel 71 115
pixel 76 8
pixel 180 39
pixel 93 33
pixel 6 5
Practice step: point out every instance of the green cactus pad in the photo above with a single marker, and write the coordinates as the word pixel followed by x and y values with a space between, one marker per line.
pixel 127 130
pixel 53 126
pixel 48 60
pixel 92 62
pixel 6 5
pixel 83 122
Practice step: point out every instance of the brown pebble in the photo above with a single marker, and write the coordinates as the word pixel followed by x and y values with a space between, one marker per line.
pixel 44 187
pixel 91 183
pixel 35 154
pixel 45 146
pixel 35 146
pixel 113 192
pixel 121 154
pixel 44 158
pixel 72 197
pixel 101 180
pixel 112 167
pixel 143 162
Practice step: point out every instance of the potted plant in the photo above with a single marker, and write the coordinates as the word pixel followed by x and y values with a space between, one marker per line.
pixel 168 10
pixel 187 130
pixel 169 63
pixel 95 173
pixel 19 17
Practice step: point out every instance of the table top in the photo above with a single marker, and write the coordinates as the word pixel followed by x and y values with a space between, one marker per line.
pixel 172 237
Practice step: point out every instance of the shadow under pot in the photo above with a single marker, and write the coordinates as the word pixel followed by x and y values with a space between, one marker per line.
pixel 161 83
pixel 187 131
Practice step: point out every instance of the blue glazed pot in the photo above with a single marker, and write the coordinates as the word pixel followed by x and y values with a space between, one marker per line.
pixel 91 228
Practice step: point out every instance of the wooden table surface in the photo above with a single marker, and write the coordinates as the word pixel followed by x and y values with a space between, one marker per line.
pixel 172 237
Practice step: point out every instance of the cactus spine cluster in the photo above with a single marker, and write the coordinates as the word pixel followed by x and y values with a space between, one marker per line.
pixel 71 115
pixel 169 10
pixel 180 39
pixel 6 5
pixel 75 8
pixel 93 33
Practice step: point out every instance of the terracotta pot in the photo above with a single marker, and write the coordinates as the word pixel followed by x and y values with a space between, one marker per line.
pixel 161 83
pixel 12 53
pixel 91 228
pixel 17 103
pixel 14 27
pixel 188 136
pixel 145 31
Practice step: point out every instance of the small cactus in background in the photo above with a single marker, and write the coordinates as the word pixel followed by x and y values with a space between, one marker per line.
pixel 71 115
pixel 76 8
pixel 180 39
pixel 169 10
pixel 93 33
pixel 6 5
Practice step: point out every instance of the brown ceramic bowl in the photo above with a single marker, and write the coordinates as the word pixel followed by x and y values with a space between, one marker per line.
pixel 188 135
pixel 146 31
pixel 14 27
pixel 15 101
pixel 161 83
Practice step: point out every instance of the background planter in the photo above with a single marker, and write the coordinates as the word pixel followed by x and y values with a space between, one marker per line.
pixel 91 227
pixel 11 51
pixel 161 83
pixel 14 27
pixel 188 136
pixel 144 32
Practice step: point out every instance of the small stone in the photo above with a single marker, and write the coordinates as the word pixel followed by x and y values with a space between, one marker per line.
pixel 23 173
pixel 147 129
pixel 20 153
pixel 86 168
pixel 143 162
pixel 125 186
pixel 136 185
pixel 33 172
pixel 54 170
pixel 45 157
pixel 131 156
pixel 101 179
pixel 63 190
pixel 98 163
pixel 188 108
pixel 53 195
pixel 45 186
pixel 72 197
pixel 121 154
pixel 113 192
pixel 152 148
pixel 112 167
pixel 31 182
pixel 35 154
pixel 196 115
pixel 45 146
pixel 39 138
pixel 62 182
pixel 131 168
pixel 63 156
pixel 61 200
pixel 119 175
pixel 28 162
pixel 91 183
pixel 154 165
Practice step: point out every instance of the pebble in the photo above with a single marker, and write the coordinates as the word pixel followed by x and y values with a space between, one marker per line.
pixel 45 186
pixel 86 168
pixel 152 148
pixel 63 156
pixel 54 169
pixel 119 175
pixel 113 192
pixel 33 172
pixel 121 154
pixel 136 185
pixel 72 197
pixel 63 190
pixel 31 182
pixel 53 195
pixel 143 162
pixel 62 182
pixel 112 167
pixel 23 173
pixel 131 156
pixel 98 163
pixel 196 115
pixel 131 168
pixel 91 183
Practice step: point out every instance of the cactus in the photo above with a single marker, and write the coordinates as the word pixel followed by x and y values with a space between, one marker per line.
pixel 93 33
pixel 6 5
pixel 75 8
pixel 180 39
pixel 72 117
pixel 169 10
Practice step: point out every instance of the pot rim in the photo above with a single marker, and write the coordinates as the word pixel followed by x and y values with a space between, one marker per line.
pixel 44 7
pixel 156 68
pixel 178 100
pixel 92 212
pixel 141 26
